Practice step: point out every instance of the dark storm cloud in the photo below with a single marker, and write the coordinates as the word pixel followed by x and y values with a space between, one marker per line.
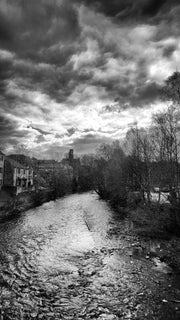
pixel 6 34
pixel 5 74
pixel 55 80
pixel 89 143
pixel 60 56
pixel 148 93
pixel 140 97
pixel 39 25
pixel 131 9
pixel 45 32
pixel 71 131
pixel 169 50
pixel 10 132
pixel 7 127
pixel 49 32
pixel 42 132
pixel 39 32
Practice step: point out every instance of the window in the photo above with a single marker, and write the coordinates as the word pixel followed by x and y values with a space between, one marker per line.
pixel 0 182
pixel 1 157
pixel 23 184
pixel 1 170
pixel 18 182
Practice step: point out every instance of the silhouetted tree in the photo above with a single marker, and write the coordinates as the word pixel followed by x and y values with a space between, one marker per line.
pixel 110 173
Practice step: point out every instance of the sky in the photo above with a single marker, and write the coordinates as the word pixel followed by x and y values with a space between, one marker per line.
pixel 79 73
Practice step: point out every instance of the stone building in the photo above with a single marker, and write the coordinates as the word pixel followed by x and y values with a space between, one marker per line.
pixel 17 177
pixel 51 169
pixel 71 160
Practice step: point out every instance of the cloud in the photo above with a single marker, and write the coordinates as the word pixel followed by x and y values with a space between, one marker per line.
pixel 76 73
pixel 5 68
pixel 43 132
pixel 6 126
pixel 11 133
pixel 169 50
pixel 30 21
pixel 131 9
pixel 6 34
pixel 89 143
pixel 40 139
pixel 142 96
pixel 71 131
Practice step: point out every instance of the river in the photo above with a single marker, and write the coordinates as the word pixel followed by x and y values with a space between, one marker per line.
pixel 63 261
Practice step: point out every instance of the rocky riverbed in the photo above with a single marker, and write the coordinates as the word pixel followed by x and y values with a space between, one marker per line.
pixel 74 258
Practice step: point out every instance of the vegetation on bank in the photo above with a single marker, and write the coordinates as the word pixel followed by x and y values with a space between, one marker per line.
pixel 58 185
pixel 23 202
pixel 144 166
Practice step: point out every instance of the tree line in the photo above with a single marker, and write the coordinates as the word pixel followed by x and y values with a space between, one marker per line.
pixel 147 160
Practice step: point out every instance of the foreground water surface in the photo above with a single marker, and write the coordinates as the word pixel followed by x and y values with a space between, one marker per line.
pixel 63 261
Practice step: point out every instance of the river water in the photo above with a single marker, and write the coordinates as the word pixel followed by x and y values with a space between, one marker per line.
pixel 59 261
pixel 40 253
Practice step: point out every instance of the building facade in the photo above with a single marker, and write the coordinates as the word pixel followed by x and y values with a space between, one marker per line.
pixel 17 177
pixel 71 160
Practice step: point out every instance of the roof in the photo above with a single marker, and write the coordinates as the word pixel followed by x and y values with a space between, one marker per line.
pixel 52 161
pixel 14 163
pixel 21 158
pixel 1 153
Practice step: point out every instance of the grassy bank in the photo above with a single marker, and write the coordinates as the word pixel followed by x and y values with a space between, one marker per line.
pixel 154 220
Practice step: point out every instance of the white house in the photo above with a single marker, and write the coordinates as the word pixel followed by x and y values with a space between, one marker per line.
pixel 16 176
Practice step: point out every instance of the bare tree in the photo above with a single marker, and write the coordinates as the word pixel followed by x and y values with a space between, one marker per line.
pixel 167 146
pixel 140 151
pixel 166 127
pixel 110 174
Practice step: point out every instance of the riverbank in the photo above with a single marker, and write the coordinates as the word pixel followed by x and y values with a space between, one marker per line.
pixel 156 238
pixel 158 254
pixel 153 219
pixel 24 201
